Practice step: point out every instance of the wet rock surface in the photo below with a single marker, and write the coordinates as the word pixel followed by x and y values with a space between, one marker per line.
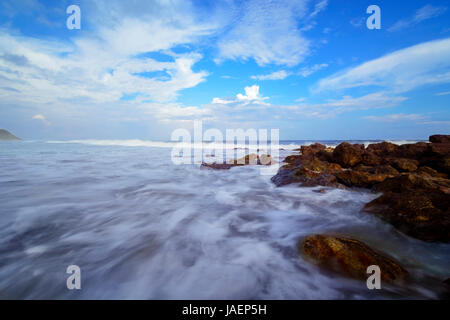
pixel 412 179
pixel 349 257
pixel 250 159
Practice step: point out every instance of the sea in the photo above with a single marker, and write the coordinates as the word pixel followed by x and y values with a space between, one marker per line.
pixel 139 226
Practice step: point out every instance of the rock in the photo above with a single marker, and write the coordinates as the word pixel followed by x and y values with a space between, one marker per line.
pixel 349 257
pixel 440 138
pixel 382 149
pixel 429 172
pixel 414 151
pixel 365 177
pixel 370 159
pixel 309 172
pixel 217 166
pixel 7 136
pixel 412 182
pixel 404 165
pixel 312 149
pixel 422 216
pixel 348 155
pixel 252 159
pixel 418 205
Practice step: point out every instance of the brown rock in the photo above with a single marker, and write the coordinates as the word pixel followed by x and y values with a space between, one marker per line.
pixel 412 151
pixel 382 149
pixel 370 159
pixel 348 155
pixel 425 216
pixel 440 138
pixel 429 172
pixel 216 166
pixel 365 177
pixel 251 159
pixel 312 149
pixel 349 257
pixel 404 165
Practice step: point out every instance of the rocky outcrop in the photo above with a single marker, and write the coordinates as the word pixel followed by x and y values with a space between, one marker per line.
pixel 349 257
pixel 7 136
pixel 418 205
pixel 251 159
pixel 412 178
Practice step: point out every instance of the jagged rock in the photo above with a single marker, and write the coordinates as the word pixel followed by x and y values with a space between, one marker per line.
pixel 365 177
pixel 404 165
pixel 251 159
pixel 349 257
pixel 440 138
pixel 370 159
pixel 308 172
pixel 412 151
pixel 418 205
pixel 348 155
pixel 382 149
pixel 430 172
pixel 217 166
pixel 312 149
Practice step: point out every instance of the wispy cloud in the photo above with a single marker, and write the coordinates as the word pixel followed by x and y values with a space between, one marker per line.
pixel 268 32
pixel 400 71
pixel 307 71
pixel 319 7
pixel 277 75
pixel 396 117
pixel 422 14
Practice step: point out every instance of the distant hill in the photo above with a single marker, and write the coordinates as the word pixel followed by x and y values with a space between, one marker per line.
pixel 7 136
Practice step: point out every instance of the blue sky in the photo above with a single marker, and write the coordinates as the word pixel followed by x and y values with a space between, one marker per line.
pixel 141 69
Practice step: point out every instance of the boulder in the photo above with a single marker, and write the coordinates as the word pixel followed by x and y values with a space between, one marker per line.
pixel 365 177
pixel 348 155
pixel 349 257
pixel 440 138
pixel 251 159
pixel 382 149
pixel 422 216
pixel 416 204
pixel 402 164
pixel 312 149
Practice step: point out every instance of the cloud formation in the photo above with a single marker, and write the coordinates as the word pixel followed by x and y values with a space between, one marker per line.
pixel 400 71
pixel 422 14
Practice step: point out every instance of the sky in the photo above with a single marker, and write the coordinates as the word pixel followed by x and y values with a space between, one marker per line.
pixel 141 69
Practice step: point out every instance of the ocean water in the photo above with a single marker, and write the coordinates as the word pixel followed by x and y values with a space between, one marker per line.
pixel 141 227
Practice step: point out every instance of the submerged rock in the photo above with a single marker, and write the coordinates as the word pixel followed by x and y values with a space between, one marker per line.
pixel 349 257
pixel 251 159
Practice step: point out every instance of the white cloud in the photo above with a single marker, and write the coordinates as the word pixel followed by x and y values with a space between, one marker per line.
pixel 446 93
pixel 46 72
pixel 307 71
pixel 252 96
pixel 422 14
pixel 319 7
pixel 396 117
pixel 42 118
pixel 267 32
pixel 400 71
pixel 333 107
pixel 277 75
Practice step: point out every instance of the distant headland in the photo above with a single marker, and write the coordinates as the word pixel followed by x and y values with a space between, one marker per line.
pixel 7 136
